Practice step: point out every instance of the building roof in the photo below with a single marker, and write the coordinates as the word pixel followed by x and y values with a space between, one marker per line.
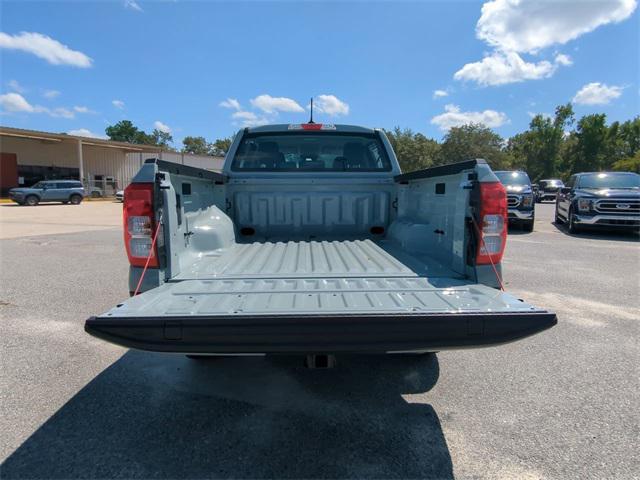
pixel 60 137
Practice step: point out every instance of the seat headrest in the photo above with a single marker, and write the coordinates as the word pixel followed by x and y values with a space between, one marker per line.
pixel 355 155
pixel 268 147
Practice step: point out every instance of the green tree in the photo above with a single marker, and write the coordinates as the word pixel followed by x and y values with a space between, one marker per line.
pixel 517 150
pixel 414 150
pixel 197 145
pixel 624 140
pixel 537 150
pixel 630 164
pixel 160 138
pixel 200 146
pixel 592 144
pixel 567 152
pixel 221 145
pixel 473 141
pixel 124 131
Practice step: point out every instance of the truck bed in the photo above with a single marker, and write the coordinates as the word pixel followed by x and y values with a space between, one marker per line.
pixel 267 264
pixel 314 259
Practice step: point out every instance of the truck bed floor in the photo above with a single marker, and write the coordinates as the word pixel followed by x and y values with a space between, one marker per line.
pixel 314 259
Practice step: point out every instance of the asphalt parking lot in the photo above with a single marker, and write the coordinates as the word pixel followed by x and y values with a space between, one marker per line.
pixel 562 404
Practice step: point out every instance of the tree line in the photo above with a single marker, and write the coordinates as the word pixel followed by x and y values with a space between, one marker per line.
pixel 552 147
pixel 126 131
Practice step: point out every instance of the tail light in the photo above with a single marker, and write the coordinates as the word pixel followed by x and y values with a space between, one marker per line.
pixel 492 223
pixel 139 225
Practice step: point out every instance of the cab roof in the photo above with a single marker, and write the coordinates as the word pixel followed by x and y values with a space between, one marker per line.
pixel 290 127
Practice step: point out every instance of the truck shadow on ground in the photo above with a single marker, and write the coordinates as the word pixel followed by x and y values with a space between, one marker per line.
pixel 162 416
pixel 517 230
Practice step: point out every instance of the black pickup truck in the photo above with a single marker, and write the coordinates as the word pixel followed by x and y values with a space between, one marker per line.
pixel 548 189
pixel 601 199
pixel 519 198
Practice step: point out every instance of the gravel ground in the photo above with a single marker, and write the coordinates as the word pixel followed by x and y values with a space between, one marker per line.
pixel 562 404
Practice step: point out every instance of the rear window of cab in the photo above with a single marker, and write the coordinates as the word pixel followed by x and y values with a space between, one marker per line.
pixel 311 152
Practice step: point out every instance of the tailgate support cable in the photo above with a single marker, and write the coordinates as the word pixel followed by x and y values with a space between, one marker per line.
pixel 495 270
pixel 151 253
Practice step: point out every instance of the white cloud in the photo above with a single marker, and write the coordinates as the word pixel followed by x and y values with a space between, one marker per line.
pixel 163 127
pixel 530 25
pixel 331 105
pixel 597 93
pixel 83 132
pixel 500 68
pixel 119 104
pixel 453 117
pixel 46 48
pixel 14 102
pixel 231 103
pixel 132 5
pixel 440 93
pixel 51 94
pixel 269 104
pixel 59 112
pixel 15 86
pixel 243 115
pixel 255 123
pixel 82 109
pixel 564 60
pixel 244 118
pixel 515 27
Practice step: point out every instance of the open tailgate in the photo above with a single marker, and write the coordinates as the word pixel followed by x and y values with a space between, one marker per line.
pixel 318 315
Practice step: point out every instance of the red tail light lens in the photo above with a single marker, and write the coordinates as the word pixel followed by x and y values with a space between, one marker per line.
pixel 312 126
pixel 139 224
pixel 492 223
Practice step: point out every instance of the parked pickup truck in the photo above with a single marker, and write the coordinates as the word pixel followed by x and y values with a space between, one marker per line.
pixel 548 190
pixel 313 241
pixel 519 198
pixel 609 200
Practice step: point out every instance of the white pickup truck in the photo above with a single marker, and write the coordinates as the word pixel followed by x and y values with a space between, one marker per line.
pixel 313 241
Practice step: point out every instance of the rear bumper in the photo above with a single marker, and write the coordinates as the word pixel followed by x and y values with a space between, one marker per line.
pixel 319 333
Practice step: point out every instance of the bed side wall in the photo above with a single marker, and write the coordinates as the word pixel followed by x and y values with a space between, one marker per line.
pixel 195 221
pixel 431 218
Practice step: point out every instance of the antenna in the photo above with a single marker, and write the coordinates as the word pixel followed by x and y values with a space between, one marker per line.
pixel 311 119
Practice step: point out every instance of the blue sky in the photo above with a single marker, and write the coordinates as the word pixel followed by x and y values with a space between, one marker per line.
pixel 80 66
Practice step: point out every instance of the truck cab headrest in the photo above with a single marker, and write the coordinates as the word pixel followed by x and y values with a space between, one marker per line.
pixel 355 155
pixel 268 147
